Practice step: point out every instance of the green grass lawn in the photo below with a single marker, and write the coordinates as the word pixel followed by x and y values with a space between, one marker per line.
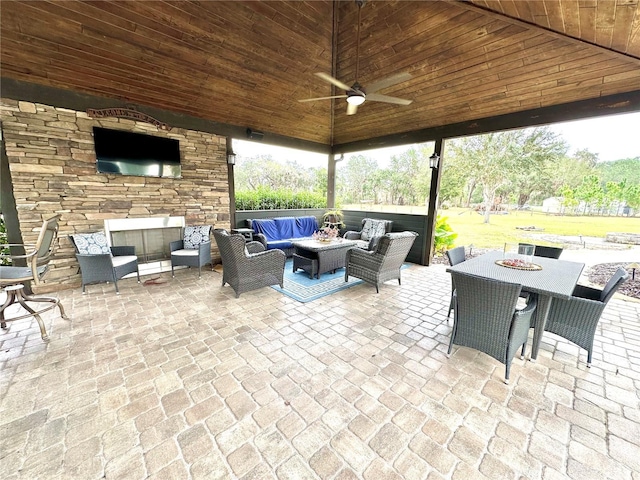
pixel 471 230
pixel 470 227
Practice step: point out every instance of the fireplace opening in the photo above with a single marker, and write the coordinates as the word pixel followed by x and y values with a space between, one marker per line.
pixel 151 237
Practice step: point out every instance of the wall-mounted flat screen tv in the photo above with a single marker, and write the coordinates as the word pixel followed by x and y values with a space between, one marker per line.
pixel 128 153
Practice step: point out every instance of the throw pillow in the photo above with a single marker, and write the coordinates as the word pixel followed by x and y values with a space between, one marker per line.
pixel 372 228
pixel 91 243
pixel 379 228
pixel 194 235
pixel 366 229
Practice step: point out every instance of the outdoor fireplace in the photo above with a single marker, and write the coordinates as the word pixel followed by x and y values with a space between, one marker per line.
pixel 151 237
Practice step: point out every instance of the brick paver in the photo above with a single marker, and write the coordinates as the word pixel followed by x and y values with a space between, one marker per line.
pixel 183 380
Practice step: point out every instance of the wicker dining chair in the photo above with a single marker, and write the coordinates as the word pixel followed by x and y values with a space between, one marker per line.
pixel 485 318
pixel 547 252
pixel 455 256
pixel 383 263
pixel 576 319
pixel 247 266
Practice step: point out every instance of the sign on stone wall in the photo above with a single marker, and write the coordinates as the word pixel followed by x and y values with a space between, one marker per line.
pixel 126 113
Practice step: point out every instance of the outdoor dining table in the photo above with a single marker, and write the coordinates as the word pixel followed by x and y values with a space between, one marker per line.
pixel 557 279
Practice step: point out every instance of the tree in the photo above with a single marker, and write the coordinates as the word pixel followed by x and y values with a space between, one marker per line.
pixel 356 179
pixel 541 148
pixel 491 160
pixel 590 192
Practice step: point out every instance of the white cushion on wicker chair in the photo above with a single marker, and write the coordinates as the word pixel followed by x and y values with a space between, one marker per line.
pixel 123 260
pixel 185 253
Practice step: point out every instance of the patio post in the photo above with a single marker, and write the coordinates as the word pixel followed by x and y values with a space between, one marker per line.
pixel 436 171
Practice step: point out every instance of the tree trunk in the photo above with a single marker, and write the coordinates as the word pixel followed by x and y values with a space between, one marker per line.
pixel 489 197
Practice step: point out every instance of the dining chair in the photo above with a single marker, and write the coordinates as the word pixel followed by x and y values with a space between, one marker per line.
pixel 455 256
pixel 486 318
pixel 547 252
pixel 576 318
pixel 542 250
pixel 14 277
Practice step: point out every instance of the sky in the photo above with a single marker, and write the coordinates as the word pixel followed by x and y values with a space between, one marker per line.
pixel 613 138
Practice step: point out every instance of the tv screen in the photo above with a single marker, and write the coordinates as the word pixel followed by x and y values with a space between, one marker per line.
pixel 128 153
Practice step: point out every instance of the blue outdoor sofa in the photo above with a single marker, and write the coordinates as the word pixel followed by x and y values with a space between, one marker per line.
pixel 279 232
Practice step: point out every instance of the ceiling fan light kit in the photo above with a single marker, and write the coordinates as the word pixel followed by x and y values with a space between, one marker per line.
pixel 355 99
pixel 355 94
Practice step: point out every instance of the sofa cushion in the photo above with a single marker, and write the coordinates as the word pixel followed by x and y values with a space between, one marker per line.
pixel 267 227
pixel 306 226
pixel 194 235
pixel 281 244
pixel 91 243
pixel 286 227
pixel 373 228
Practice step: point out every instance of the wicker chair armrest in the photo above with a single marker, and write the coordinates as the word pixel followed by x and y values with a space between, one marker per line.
pixel 276 253
pixel 255 247
pixel 352 235
pixel 123 250
pixel 204 247
pixel 176 245
pixel 259 237
pixel 527 312
pixel 364 258
pixel 94 261
pixel 586 293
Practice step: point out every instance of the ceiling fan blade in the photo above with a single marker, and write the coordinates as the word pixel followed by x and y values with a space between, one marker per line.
pixel 351 109
pixel 376 97
pixel 334 81
pixel 322 98
pixel 387 82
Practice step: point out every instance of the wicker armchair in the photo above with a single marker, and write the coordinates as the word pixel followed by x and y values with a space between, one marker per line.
pixel 576 319
pixel 247 266
pixel 455 256
pixel 101 263
pixel 383 263
pixel 372 230
pixel 14 277
pixel 485 318
pixel 194 250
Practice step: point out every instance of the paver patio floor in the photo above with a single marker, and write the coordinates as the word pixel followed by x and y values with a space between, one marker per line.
pixel 183 380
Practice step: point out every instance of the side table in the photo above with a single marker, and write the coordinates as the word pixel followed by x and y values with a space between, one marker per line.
pixel 247 233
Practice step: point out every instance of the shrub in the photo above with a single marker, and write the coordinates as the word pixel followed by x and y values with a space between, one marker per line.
pixel 3 240
pixel 444 235
pixel 267 199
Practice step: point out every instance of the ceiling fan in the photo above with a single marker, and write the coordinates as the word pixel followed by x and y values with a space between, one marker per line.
pixel 356 94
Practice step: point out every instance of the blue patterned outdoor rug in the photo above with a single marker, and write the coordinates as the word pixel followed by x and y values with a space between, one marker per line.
pixel 300 287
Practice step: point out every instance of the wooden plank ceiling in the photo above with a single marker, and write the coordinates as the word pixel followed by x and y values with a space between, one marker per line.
pixel 247 63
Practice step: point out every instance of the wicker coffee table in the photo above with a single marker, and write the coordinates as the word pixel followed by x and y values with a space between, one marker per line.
pixel 316 257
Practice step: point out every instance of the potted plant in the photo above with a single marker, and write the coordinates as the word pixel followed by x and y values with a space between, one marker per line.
pixel 333 218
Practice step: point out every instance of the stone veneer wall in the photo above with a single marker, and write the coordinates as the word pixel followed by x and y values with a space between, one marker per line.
pixel 53 169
